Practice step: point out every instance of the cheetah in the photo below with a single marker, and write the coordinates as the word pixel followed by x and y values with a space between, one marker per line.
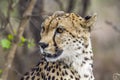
pixel 66 46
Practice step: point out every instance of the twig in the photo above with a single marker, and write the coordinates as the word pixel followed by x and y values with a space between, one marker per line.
pixel 23 24
pixel 10 2
pixel 3 21
pixel 60 4
pixel 85 6
pixel 71 5
pixel 113 26
pixel 16 71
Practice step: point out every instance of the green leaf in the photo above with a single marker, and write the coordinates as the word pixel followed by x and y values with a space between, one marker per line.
pixel 1 71
pixel 5 43
pixel 23 39
pixel 15 32
pixel 31 43
pixel 20 44
pixel 10 37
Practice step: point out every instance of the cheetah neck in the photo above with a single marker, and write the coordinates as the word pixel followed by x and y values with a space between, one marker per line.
pixel 82 62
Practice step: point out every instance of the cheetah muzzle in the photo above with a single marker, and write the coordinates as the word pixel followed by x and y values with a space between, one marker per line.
pixel 49 55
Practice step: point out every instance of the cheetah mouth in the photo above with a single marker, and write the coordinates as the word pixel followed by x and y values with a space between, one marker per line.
pixel 49 55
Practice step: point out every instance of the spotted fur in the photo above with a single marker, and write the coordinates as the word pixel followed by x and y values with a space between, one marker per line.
pixel 66 47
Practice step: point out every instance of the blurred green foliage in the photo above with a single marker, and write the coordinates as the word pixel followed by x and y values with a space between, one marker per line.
pixel 30 42
pixel 4 7
pixel 9 9
pixel 6 43
pixel 10 37
pixel 1 71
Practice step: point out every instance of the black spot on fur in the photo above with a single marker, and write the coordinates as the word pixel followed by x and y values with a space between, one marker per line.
pixel 85 58
pixel 83 62
pixel 83 51
pixel 56 66
pixel 38 74
pixel 63 73
pixel 39 69
pixel 71 76
pixel 85 75
pixel 76 78
pixel 38 79
pixel 61 78
pixel 27 77
pixel 79 47
pixel 33 77
pixel 53 78
pixel 86 46
pixel 22 78
pixel 72 72
pixel 46 66
pixel 27 73
pixel 32 73
pixel 57 73
pixel 49 77
pixel 91 65
pixel 53 70
pixel 66 72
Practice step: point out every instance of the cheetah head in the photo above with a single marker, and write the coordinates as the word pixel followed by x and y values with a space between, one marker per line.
pixel 64 34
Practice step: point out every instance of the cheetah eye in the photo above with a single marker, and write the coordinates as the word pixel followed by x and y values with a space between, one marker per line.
pixel 42 29
pixel 59 30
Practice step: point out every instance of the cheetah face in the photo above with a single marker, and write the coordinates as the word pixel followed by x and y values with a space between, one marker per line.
pixel 64 34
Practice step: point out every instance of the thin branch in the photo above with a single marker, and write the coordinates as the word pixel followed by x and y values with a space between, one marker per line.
pixel 113 26
pixel 85 6
pixel 24 22
pixel 60 4
pixel 71 5
pixel 10 2
pixel 3 21
pixel 16 71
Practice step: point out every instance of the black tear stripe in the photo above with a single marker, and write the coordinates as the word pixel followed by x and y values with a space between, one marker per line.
pixel 58 51
pixel 50 23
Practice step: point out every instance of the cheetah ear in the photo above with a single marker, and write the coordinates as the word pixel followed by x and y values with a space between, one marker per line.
pixel 89 21
pixel 58 13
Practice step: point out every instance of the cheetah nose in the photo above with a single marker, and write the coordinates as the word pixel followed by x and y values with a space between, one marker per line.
pixel 43 45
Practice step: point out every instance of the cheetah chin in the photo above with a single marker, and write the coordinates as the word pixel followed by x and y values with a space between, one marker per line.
pixel 49 55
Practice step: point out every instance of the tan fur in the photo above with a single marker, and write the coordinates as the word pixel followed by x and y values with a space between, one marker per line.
pixel 75 62
pixel 71 22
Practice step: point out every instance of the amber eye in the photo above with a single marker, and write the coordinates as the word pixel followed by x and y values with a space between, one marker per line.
pixel 59 30
pixel 42 29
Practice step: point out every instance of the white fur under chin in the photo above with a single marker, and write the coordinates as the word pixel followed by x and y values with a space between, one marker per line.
pixel 68 52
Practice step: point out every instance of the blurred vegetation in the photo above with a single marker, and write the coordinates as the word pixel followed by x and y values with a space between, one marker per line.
pixel 105 37
pixel 6 42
